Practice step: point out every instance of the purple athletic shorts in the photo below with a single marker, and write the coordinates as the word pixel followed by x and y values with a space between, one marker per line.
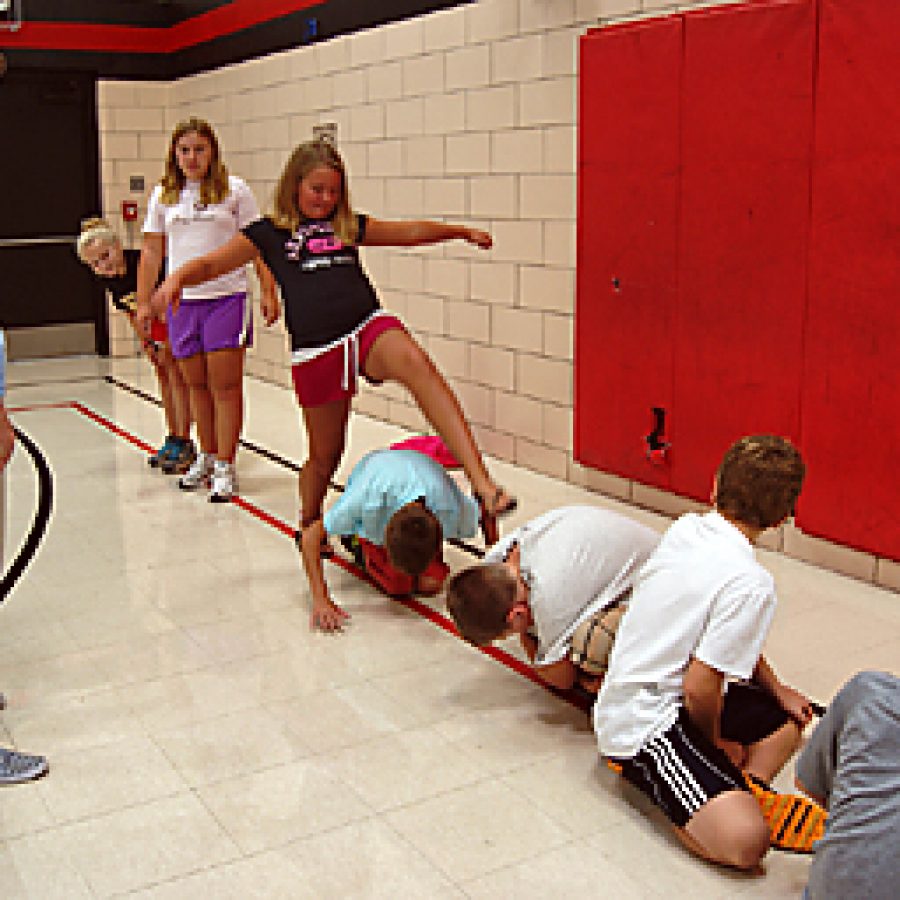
pixel 201 326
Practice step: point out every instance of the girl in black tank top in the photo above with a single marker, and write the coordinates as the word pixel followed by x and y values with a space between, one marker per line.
pixel 100 248
pixel 309 243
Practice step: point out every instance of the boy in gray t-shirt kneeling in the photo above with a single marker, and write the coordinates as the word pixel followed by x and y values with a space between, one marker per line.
pixel 851 764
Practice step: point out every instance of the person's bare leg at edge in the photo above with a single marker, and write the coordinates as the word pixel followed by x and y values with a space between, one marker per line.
pixel 326 428
pixel 729 830
pixel 225 374
pixel 395 356
pixel 194 370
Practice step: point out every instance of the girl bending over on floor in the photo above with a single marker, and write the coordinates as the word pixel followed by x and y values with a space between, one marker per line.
pixel 196 208
pixel 338 331
pixel 100 248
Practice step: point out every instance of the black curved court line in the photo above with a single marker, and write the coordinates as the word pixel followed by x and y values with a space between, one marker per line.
pixel 41 516
pixel 275 457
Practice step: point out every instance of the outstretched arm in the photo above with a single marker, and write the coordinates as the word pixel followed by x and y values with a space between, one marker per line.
pixel 796 705
pixel 561 674
pixel 268 300
pixel 7 436
pixel 702 688
pixel 236 253
pixel 413 233
pixel 153 251
pixel 325 614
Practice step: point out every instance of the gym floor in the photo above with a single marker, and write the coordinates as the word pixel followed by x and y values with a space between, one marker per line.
pixel 203 742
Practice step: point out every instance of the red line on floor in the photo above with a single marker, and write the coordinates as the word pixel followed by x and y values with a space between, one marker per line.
pixel 34 407
pixel 411 603
pixel 263 516
pixel 111 426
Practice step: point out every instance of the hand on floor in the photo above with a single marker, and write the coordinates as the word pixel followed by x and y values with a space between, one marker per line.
pixel 327 616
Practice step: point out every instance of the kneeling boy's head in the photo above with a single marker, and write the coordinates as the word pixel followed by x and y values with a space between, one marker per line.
pixel 480 601
pixel 759 480
pixel 413 538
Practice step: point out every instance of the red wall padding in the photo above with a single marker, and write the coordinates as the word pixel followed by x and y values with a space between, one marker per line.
pixel 746 140
pixel 695 137
pixel 851 384
pixel 628 201
pixel 739 250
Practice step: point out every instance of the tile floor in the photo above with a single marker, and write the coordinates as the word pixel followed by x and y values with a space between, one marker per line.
pixel 204 743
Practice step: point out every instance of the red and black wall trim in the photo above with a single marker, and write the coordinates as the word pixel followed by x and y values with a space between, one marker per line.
pixel 150 40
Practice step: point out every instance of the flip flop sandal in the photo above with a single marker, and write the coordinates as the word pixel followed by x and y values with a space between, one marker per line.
pixel 487 520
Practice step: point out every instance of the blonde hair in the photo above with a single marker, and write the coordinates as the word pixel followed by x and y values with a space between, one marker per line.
pixel 214 186
pixel 94 230
pixel 305 158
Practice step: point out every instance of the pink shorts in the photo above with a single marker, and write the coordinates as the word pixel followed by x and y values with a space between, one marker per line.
pixel 432 446
pixel 202 326
pixel 332 375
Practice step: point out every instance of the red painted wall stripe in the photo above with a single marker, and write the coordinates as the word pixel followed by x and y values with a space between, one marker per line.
pixel 236 16
pixel 225 20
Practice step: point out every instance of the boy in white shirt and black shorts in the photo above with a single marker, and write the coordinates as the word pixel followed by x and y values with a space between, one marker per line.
pixel 698 616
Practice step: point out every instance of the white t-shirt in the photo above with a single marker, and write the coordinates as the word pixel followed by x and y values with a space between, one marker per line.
pixel 193 229
pixel 576 560
pixel 702 594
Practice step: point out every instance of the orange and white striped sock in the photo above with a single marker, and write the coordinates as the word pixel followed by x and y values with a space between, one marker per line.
pixel 795 822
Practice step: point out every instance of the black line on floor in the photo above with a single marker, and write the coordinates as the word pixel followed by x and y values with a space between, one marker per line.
pixel 78 379
pixel 275 457
pixel 41 516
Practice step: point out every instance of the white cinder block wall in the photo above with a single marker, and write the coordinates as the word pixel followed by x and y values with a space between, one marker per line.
pixel 465 114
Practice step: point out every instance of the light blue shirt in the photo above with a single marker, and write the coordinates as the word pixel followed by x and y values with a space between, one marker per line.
pixel 2 364
pixel 385 480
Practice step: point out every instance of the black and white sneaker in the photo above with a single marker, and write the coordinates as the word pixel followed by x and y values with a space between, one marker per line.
pixel 199 474
pixel 224 482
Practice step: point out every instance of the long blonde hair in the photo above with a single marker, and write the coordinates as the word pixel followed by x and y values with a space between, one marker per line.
pixel 306 157
pixel 214 186
pixel 95 229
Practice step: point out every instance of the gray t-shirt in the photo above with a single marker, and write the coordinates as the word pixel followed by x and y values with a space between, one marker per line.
pixel 576 560
pixel 852 760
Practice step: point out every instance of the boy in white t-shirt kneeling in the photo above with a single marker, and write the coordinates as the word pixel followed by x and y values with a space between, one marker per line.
pixel 698 616
pixel 546 578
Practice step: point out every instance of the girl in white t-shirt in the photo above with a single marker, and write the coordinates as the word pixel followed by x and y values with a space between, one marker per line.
pixel 196 208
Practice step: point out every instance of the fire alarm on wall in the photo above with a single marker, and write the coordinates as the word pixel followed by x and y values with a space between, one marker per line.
pixel 129 210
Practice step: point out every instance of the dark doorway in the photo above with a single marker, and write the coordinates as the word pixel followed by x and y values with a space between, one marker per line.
pixel 49 166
